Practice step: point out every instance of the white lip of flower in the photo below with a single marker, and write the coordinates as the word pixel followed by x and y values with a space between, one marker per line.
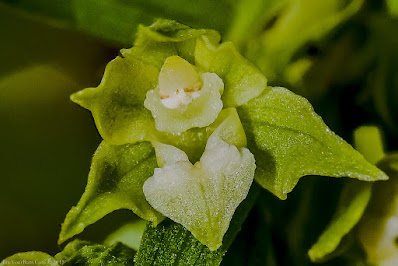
pixel 202 197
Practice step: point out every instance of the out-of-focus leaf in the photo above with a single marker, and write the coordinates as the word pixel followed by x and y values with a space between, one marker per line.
pixel 368 141
pixel 293 25
pixel 129 234
pixel 251 18
pixel 30 258
pixel 378 231
pixel 289 141
pixel 392 7
pixel 117 21
pixel 85 253
pixel 352 203
pixel 383 79
pixel 115 182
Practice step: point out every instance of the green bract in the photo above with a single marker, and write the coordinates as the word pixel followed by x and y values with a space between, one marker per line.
pixel 115 182
pixel 289 141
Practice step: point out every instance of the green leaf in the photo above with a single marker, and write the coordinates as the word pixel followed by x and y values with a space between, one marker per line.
pixel 352 204
pixel 383 79
pixel 85 253
pixel 129 234
pixel 30 258
pixel 117 21
pixel 115 182
pixel 242 80
pixel 368 141
pixel 292 25
pixel 289 141
pixel 171 244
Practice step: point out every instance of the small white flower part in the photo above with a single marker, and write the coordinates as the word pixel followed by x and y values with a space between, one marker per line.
pixel 184 98
pixel 179 99
pixel 202 197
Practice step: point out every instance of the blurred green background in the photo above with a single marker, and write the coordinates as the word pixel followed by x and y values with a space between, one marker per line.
pixel 46 140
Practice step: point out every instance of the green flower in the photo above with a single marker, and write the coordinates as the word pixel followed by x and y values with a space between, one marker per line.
pixel 215 126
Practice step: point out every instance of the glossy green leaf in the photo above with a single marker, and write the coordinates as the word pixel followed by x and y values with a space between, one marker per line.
pixel 31 258
pixel 115 182
pixel 85 253
pixel 242 80
pixel 352 204
pixel 289 141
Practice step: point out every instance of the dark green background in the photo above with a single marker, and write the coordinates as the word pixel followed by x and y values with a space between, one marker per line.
pixel 46 140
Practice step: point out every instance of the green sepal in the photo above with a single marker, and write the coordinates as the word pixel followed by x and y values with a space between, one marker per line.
pixel 166 38
pixel 115 182
pixel 117 104
pixel 242 80
pixel 289 141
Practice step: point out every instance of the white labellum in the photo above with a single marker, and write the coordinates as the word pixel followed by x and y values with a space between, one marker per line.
pixel 202 197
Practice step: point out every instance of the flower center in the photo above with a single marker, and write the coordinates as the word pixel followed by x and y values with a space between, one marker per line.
pixel 179 83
